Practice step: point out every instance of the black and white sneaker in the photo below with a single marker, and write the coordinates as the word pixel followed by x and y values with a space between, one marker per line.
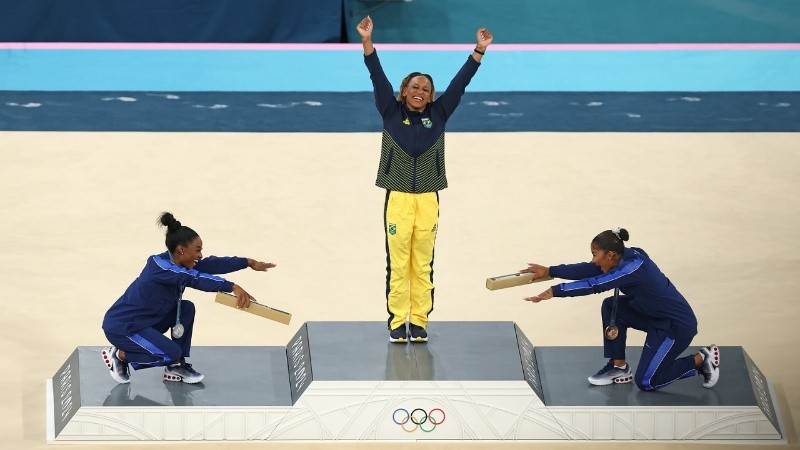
pixel 399 335
pixel 612 374
pixel 117 368
pixel 182 372
pixel 710 366
pixel 418 334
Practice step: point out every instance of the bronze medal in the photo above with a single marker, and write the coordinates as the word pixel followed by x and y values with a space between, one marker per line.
pixel 611 332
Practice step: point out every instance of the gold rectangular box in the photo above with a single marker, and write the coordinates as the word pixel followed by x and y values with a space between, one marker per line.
pixel 256 308
pixel 511 280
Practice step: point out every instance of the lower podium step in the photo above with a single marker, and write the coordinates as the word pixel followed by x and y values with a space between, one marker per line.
pixel 345 381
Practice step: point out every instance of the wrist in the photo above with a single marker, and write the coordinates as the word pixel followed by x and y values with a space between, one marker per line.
pixel 480 49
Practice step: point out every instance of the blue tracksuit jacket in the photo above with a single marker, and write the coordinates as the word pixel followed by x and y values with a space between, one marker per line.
pixel 637 276
pixel 155 293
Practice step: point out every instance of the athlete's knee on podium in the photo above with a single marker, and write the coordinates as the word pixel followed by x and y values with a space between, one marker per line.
pixel 641 383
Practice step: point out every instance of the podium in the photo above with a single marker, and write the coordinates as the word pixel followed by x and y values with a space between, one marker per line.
pixel 343 381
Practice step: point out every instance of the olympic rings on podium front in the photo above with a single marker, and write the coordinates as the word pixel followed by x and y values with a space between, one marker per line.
pixel 418 417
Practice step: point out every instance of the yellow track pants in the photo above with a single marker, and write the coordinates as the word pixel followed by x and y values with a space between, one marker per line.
pixel 410 223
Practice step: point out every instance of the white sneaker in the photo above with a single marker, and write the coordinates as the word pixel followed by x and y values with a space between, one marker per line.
pixel 611 374
pixel 118 368
pixel 710 366
pixel 182 372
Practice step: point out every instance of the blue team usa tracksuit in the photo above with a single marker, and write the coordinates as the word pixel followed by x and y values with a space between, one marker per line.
pixel 648 302
pixel 136 323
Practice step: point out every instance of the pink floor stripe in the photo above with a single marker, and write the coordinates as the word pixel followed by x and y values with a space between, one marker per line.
pixel 391 47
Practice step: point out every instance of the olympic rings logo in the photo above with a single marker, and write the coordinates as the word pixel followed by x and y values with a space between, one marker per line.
pixel 418 417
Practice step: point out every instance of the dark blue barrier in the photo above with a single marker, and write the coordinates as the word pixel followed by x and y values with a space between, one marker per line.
pixel 581 21
pixel 410 21
pixel 242 21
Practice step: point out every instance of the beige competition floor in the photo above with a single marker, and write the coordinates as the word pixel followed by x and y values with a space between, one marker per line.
pixel 717 212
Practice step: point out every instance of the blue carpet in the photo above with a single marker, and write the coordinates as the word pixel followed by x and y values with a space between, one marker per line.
pixel 355 112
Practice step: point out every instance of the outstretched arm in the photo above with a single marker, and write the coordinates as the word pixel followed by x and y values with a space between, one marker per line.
pixel 483 38
pixel 546 295
pixel 538 272
pixel 364 28
pixel 259 266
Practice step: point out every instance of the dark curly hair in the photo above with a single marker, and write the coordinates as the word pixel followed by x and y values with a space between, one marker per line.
pixel 177 234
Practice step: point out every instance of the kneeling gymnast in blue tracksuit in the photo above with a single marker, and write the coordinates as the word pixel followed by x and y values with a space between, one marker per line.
pixel 135 324
pixel 650 303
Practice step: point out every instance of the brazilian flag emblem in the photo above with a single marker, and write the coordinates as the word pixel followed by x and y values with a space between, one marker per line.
pixel 392 229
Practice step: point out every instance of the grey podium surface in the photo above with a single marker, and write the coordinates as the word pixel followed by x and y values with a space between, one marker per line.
pixel 479 351
pixel 261 376
pixel 234 376
pixel 564 371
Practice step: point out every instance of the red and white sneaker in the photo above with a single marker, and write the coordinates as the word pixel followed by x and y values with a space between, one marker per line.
pixel 611 374
pixel 182 372
pixel 117 367
pixel 710 366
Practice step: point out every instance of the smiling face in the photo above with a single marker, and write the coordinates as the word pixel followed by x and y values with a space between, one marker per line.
pixel 188 255
pixel 605 260
pixel 417 93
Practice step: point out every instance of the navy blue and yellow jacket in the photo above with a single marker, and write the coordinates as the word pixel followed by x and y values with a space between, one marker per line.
pixel 651 293
pixel 155 293
pixel 412 147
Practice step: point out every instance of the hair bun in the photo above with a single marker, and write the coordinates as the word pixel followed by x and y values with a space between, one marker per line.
pixel 168 220
pixel 175 225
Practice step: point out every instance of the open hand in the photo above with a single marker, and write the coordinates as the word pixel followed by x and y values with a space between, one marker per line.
pixel 546 295
pixel 259 266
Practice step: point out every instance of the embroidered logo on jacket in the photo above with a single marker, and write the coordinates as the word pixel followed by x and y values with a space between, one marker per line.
pixel 392 229
pixel 426 122
pixel 406 121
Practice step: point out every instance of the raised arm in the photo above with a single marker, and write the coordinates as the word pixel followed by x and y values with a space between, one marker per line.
pixel 483 37
pixel 364 28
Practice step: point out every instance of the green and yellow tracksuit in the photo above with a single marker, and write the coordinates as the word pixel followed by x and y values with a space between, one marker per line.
pixel 412 171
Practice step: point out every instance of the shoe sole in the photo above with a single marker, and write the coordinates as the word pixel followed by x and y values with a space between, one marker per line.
pixel 107 355
pixel 170 377
pixel 419 339
pixel 713 352
pixel 617 380
pixel 398 340
pixel 623 380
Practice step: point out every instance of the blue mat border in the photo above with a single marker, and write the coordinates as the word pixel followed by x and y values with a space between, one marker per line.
pixel 355 111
